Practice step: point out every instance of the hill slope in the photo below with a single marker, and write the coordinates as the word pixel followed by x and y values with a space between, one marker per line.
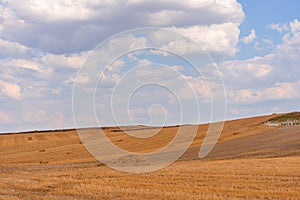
pixel 243 138
pixel 250 161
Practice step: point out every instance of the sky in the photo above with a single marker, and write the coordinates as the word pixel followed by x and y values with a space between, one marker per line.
pixel 47 49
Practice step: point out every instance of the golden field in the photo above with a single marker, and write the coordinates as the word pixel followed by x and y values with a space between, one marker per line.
pixel 250 161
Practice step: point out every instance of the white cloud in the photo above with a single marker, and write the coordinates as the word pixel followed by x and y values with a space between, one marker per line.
pixel 281 65
pixel 245 71
pixel 164 17
pixel 74 26
pixel 39 74
pixel 13 49
pixel 144 62
pixel 71 61
pixel 280 91
pixel 271 80
pixel 43 10
pixel 250 37
pixel 264 44
pixel 200 86
pixel 295 26
pixel 216 38
pixel 116 65
pixel 10 90
pixel 31 65
pixel 220 11
pixel 9 18
pixel 77 80
pixel 279 27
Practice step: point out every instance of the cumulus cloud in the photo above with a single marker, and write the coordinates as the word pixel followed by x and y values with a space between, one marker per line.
pixel 32 65
pixel 74 26
pixel 250 37
pixel 13 49
pixel 295 26
pixel 246 71
pixel 264 44
pixel 280 65
pixel 279 27
pixel 273 77
pixel 63 60
pixel 216 38
pixel 43 10
pixel 292 26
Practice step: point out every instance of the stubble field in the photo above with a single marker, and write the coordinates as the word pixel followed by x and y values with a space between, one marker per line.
pixel 250 161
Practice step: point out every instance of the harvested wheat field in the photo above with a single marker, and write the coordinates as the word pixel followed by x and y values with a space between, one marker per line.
pixel 250 161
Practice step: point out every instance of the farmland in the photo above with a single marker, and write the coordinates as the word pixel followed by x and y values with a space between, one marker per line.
pixel 250 161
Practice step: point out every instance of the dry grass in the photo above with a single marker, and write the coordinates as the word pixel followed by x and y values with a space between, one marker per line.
pixel 277 178
pixel 250 161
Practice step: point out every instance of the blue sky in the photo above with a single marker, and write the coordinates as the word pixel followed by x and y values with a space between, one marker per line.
pixel 45 46
pixel 259 15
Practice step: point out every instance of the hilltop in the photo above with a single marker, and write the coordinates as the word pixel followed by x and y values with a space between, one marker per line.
pixel 287 119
